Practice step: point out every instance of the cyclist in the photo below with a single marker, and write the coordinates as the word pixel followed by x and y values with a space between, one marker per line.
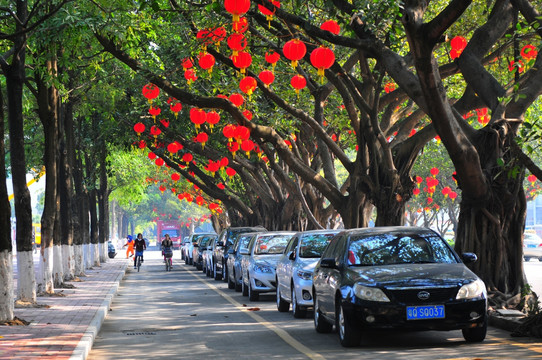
pixel 167 248
pixel 130 244
pixel 139 245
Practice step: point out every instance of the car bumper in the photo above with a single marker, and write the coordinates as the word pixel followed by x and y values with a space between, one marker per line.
pixel 457 315
pixel 303 292
pixel 263 282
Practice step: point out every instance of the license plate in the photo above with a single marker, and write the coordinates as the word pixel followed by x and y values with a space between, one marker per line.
pixel 425 312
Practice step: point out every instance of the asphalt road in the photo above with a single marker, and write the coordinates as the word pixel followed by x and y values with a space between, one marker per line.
pixel 184 315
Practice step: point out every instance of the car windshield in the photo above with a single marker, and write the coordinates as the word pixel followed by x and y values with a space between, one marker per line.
pixel 388 249
pixel 271 244
pixel 312 245
pixel 205 240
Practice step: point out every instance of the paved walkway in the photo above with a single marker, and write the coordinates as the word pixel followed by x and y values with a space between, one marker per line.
pixel 66 326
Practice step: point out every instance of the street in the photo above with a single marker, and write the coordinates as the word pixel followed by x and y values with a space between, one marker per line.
pixel 183 314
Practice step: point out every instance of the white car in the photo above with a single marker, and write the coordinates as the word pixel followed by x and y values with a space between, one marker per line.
pixel 235 272
pixel 532 247
pixel 295 268
pixel 259 266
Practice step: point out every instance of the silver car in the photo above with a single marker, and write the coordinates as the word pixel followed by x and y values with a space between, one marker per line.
pixel 259 266
pixel 532 247
pixel 235 272
pixel 295 267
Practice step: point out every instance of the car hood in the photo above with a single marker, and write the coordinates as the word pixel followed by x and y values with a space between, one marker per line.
pixel 411 275
pixel 306 264
pixel 270 260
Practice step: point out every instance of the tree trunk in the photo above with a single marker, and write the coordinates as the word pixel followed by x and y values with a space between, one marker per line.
pixel 103 204
pixel 6 250
pixel 94 236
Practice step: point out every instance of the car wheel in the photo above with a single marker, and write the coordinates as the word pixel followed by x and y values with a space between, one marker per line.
pixel 199 266
pixel 224 273
pixel 208 272
pixel 244 288
pixel 231 284
pixel 320 324
pixel 252 295
pixel 297 311
pixel 477 334
pixel 526 258
pixel 349 334
pixel 282 306
pixel 238 287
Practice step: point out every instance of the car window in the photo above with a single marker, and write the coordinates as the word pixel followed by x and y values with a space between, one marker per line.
pixel 271 244
pixel 292 244
pixel 312 245
pixel 244 241
pixel 387 249
pixel 330 249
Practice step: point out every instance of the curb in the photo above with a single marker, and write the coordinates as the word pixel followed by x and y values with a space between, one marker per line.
pixel 82 349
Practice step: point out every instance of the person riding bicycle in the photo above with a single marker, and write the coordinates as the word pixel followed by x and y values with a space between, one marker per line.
pixel 167 247
pixel 139 245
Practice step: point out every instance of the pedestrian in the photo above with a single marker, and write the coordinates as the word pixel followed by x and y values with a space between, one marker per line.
pixel 139 245
pixel 130 246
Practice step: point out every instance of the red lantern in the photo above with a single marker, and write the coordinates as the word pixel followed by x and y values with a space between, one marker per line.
pixel 237 99
pixel 151 92
pixel 205 36
pixel 322 58
pixel 190 76
pixel 237 42
pixel 229 131
pixel 446 191
pixel 233 147
pixel 512 66
pixel 165 123
pixel 221 186
pixel 267 77
pixel 531 178
pixel 529 52
pixel 139 128
pixel 159 161
pixel 155 131
pixel 272 57
pixel 175 106
pixel 331 26
pixel 294 50
pixel 202 138
pixel 452 195
pixel 218 35
pixel 242 61
pixel 389 87
pixel 173 148
pixel 230 172
pixel 198 117
pixel 224 162
pixel 186 63
pixel 213 166
pixel 247 85
pixel 151 155
pixel 187 157
pixel 206 62
pixel 237 8
pixel 416 192
pixel 241 133
pixel 162 188
pixel 212 119
pixel 298 82
pixel 269 13
pixel 434 171
pixel 247 146
pixel 248 114
pixel 458 44
pixel 240 26
pixel 154 112
pixel 142 144
pixel 483 117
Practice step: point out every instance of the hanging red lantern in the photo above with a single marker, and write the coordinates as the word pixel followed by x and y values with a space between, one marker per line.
pixel 241 133
pixel 512 66
pixel 237 42
pixel 272 57
pixel 332 26
pixel 294 50
pixel 237 99
pixel 434 171
pixel 202 138
pixel 446 191
pixel 165 123
pixel 154 112
pixel 199 200
pixel 221 186
pixel 233 147
pixel 187 157
pixel 229 132
pixel 172 148
pixel 198 117
pixel 162 188
pixel 452 195
pixel 322 58
pixel 151 92
pixel 139 128
pixel 247 85
pixel 298 82
pixel 240 26
pixel 218 35
pixel 237 8
pixel 458 44
pixel 151 155
pixel 248 114
pixel 155 131
pixel 416 192
pixel 224 162
pixel 174 105
pixel 247 146
pixel 190 76
pixel 212 119
pixel 267 77
pixel 142 144
pixel 483 117
pixel 242 61
pixel 213 166
pixel 529 52
pixel 187 63
pixel 206 62
pixel 269 13
pixel 531 178
pixel 159 162
pixel 230 172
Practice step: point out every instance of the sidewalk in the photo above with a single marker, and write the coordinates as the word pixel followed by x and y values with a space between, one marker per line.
pixel 66 327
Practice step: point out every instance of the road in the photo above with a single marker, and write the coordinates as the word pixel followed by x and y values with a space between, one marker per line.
pixel 185 315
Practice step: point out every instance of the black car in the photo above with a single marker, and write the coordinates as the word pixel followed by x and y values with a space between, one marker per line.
pixel 396 278
pixel 223 244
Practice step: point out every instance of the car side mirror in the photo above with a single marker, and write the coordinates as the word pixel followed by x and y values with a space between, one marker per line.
pixel 243 251
pixel 328 263
pixel 469 258
pixel 292 255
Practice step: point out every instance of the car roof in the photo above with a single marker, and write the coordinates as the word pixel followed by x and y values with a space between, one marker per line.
pixel 319 231
pixel 388 229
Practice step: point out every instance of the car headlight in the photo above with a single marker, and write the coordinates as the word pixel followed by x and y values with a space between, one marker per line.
pixel 262 268
pixel 370 293
pixel 473 290
pixel 305 275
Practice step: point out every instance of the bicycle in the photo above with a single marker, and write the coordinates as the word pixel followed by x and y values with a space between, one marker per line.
pixel 167 258
pixel 138 256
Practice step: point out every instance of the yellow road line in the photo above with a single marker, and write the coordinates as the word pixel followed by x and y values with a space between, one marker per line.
pixel 535 347
pixel 280 332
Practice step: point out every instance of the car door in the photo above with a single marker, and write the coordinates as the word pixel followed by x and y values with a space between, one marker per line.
pixel 288 266
pixel 322 276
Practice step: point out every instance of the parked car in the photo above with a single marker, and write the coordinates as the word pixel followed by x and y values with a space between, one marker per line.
pixel 396 277
pixel 220 252
pixel 207 256
pixel 199 247
pixel 193 239
pixel 260 264
pixel 532 247
pixel 235 272
pixel 295 268
pixel 111 251
pixel 184 247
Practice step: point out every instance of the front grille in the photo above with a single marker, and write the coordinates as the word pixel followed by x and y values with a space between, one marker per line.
pixel 410 296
